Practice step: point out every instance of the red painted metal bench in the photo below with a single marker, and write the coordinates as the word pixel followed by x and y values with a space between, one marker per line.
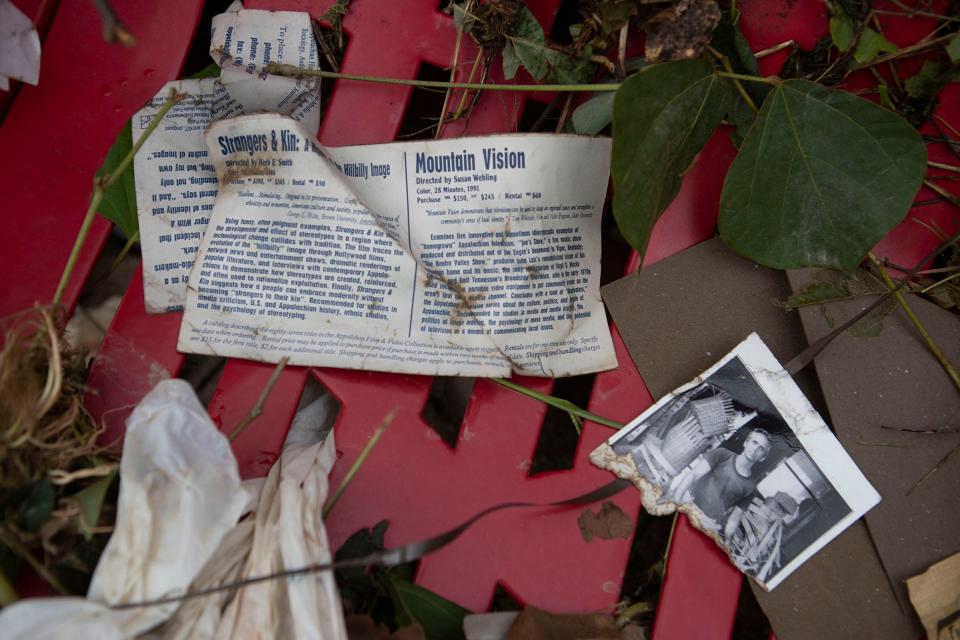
pixel 53 139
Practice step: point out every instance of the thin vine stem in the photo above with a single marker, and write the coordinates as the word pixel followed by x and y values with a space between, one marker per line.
pixel 736 81
pixel 355 467
pixel 559 403
pixel 927 339
pixel 290 70
pixel 101 185
pixel 743 76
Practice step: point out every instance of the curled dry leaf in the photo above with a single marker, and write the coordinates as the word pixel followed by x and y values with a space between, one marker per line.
pixel 608 523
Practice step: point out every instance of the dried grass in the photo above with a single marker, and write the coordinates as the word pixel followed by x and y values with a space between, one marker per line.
pixel 43 424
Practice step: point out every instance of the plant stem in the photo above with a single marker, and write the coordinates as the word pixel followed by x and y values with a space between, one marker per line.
pixel 78 243
pixel 934 349
pixel 736 81
pixel 945 167
pixel 559 403
pixel 261 401
pixel 99 190
pixel 943 193
pixel 748 78
pixel 775 49
pixel 355 467
pixel 453 74
pixel 905 52
pixel 290 70
pixel 11 542
pixel 940 282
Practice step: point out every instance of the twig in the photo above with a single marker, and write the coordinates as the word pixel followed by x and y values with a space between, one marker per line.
pixel 564 113
pixel 942 461
pixel 736 81
pixel 932 431
pixel 622 49
pixel 100 188
pixel 866 443
pixel 946 139
pixel 943 193
pixel 945 167
pixel 742 76
pixel 261 401
pixel 915 12
pixel 934 349
pixel 905 52
pixel 559 403
pixel 296 72
pixel 546 112
pixel 113 29
pixel 12 543
pixel 774 49
pixel 940 282
pixel 367 449
pixel 463 96
pixel 325 46
pixel 453 73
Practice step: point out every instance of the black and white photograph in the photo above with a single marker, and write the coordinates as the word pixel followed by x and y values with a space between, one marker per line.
pixel 743 452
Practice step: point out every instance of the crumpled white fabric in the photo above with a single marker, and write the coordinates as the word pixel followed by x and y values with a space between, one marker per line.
pixel 19 47
pixel 184 520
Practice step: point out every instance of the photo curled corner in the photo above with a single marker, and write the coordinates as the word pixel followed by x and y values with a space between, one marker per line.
pixel 744 455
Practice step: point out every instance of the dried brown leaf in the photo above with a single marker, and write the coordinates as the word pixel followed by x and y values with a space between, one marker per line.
pixel 608 523
pixel 536 624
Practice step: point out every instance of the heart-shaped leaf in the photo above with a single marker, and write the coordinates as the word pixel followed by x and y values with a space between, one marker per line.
pixel 820 178
pixel 662 117
pixel 528 46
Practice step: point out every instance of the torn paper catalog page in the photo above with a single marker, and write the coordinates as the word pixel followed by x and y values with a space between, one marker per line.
pixel 474 257
pixel 175 181
pixel 742 452
pixel 243 43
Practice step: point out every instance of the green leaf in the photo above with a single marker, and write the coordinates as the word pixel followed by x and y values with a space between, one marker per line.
pixel 90 499
pixel 119 204
pixel 817 293
pixel 440 618
pixel 593 116
pixel 212 70
pixel 821 177
pixel 870 45
pixel 926 83
pixel 662 117
pixel 953 49
pixel 360 544
pixel 36 505
pixel 528 46
pixel 842 31
pixel 871 325
pixel 885 100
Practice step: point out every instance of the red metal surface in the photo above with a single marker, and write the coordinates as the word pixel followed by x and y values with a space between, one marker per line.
pixel 412 478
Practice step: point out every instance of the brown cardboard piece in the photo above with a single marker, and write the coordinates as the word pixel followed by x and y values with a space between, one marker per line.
pixel 677 318
pixel 894 380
